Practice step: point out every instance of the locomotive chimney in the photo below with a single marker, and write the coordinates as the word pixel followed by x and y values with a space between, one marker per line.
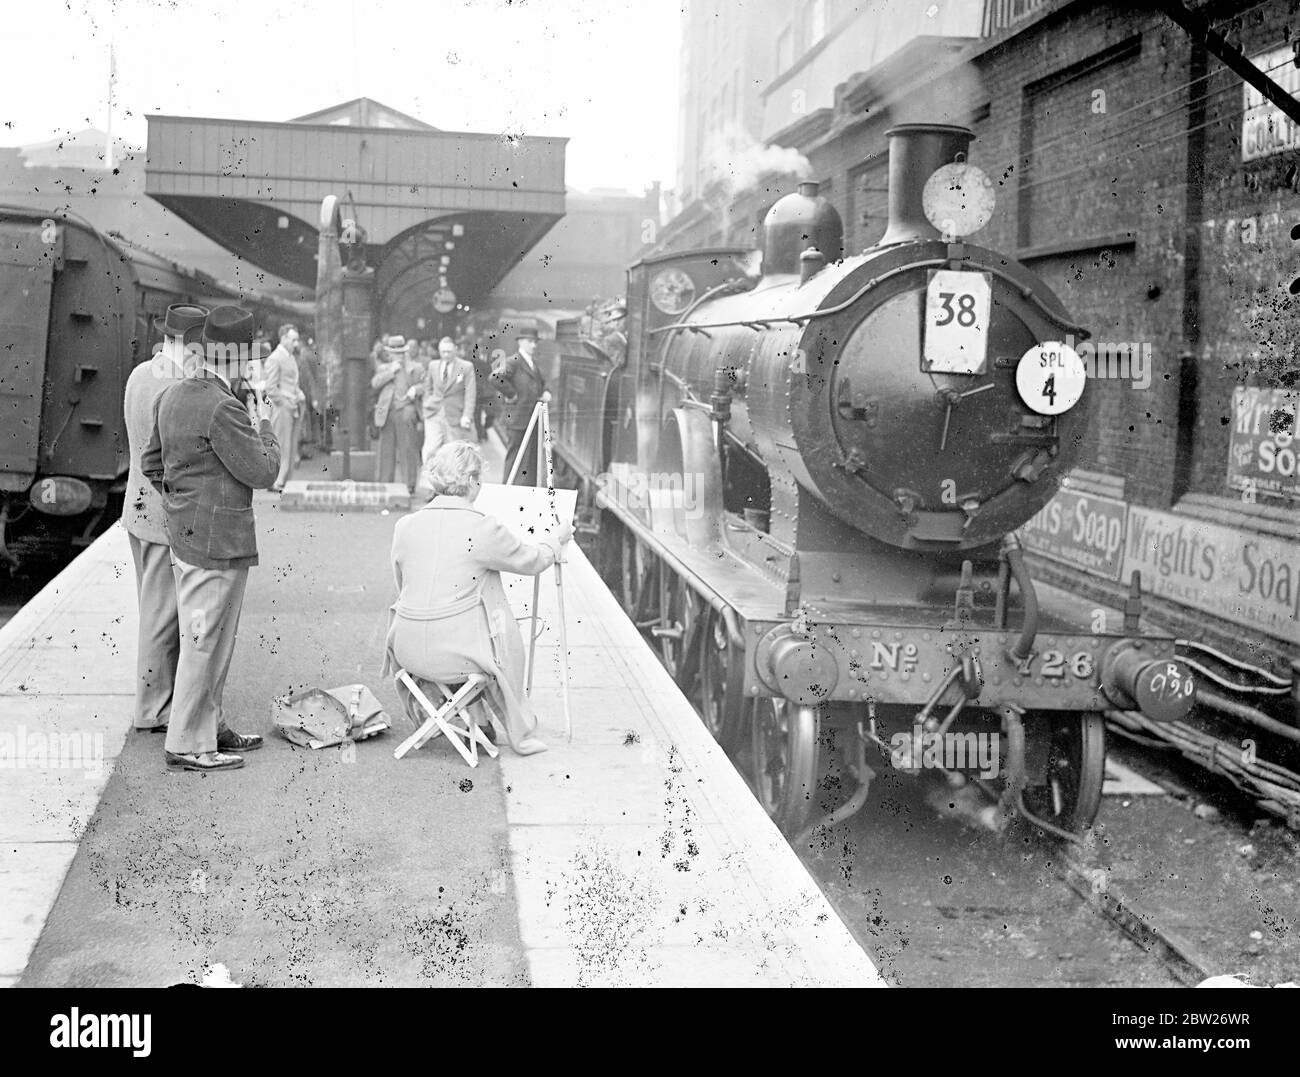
pixel 796 222
pixel 915 151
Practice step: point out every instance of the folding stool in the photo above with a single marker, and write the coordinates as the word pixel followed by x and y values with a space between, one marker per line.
pixel 466 738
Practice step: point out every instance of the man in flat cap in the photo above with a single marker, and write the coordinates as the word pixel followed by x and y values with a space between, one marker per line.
pixel 159 640
pixel 520 386
pixel 205 457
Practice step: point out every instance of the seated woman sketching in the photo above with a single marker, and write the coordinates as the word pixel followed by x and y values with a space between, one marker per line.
pixel 452 617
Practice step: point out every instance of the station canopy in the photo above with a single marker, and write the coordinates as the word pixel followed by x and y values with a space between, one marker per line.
pixel 435 205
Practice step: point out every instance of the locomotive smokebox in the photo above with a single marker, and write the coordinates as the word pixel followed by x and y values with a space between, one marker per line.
pixel 915 151
pixel 798 221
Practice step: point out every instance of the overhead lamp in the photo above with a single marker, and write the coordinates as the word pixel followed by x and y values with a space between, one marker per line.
pixel 450 245
pixel 457 229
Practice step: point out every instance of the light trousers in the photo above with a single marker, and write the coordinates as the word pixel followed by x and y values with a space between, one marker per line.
pixel 158 644
pixel 283 426
pixel 399 440
pixel 208 601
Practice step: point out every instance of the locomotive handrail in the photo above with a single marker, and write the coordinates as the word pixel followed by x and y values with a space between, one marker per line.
pixel 715 600
pixel 1079 331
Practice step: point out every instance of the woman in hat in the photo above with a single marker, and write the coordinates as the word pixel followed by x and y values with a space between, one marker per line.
pixel 452 617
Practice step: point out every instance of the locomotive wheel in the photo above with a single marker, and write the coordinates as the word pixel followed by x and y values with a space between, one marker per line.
pixel 1076 765
pixel 784 739
pixel 721 666
pixel 680 609
pixel 635 567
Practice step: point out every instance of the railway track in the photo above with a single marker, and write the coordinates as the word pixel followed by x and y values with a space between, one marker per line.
pixel 939 899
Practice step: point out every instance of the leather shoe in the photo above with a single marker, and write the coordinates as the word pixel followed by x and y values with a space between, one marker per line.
pixel 230 741
pixel 203 761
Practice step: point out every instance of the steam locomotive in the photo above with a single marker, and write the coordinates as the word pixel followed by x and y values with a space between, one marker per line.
pixel 804 483
pixel 77 311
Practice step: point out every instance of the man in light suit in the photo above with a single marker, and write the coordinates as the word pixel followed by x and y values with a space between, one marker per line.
pixel 205 458
pixel 449 398
pixel 159 640
pixel 397 379
pixel 520 385
pixel 280 384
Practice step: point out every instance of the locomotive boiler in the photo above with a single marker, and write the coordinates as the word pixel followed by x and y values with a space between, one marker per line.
pixel 806 481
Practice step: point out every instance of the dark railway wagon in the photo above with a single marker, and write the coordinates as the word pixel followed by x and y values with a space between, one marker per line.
pixel 77 310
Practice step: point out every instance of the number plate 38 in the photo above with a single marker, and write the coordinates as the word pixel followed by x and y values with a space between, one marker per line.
pixel 956 322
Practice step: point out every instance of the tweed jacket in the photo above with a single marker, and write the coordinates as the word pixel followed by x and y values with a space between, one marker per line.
pixel 206 458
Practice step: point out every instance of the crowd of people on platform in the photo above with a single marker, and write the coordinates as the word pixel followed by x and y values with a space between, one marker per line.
pixel 423 399
pixel 213 417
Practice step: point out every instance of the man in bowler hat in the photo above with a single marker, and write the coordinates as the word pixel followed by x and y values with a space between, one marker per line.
pixel 520 386
pixel 205 458
pixel 159 640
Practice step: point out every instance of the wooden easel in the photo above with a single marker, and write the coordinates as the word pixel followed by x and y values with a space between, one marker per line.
pixel 542 416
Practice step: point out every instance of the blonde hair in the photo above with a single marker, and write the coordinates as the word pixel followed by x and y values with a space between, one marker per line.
pixel 454 467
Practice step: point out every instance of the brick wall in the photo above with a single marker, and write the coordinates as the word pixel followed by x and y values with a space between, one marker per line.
pixel 1250 325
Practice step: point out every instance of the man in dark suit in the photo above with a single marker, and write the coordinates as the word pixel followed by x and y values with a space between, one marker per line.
pixel 205 457
pixel 520 385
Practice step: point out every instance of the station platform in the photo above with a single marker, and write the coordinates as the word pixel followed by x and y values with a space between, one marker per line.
pixel 632 855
